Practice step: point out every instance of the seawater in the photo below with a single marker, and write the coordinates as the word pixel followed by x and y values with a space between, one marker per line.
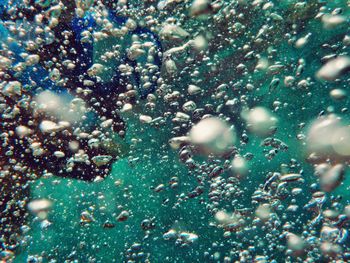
pixel 219 195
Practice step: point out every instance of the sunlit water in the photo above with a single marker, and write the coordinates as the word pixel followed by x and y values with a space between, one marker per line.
pixel 175 131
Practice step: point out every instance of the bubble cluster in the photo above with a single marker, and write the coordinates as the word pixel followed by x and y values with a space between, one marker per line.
pixel 174 131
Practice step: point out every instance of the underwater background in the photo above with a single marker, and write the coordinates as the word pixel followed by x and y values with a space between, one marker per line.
pixel 264 179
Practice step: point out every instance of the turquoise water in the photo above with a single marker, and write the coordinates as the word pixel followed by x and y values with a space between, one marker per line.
pixel 261 170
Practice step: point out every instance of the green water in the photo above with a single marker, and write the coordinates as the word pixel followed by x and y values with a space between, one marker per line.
pixel 151 161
